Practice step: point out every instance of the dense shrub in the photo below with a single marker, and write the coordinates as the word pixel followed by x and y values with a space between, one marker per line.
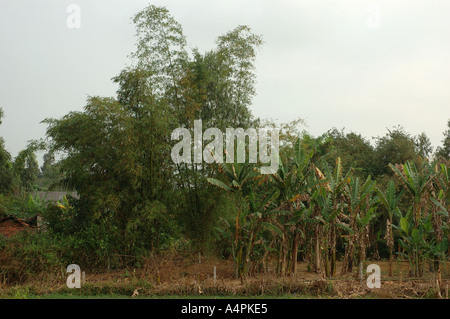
pixel 24 206
pixel 30 253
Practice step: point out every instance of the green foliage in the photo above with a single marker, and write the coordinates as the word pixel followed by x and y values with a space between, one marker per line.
pixel 423 145
pixel 389 199
pixel 24 206
pixel 29 253
pixel 300 201
pixel 396 147
pixel 113 163
pixel 444 150
pixel 6 171
pixel 26 168
pixel 424 228
pixel 353 150
pixel 50 177
pixel 7 178
pixel 117 152
pixel 216 87
pixel 160 49
pixel 153 229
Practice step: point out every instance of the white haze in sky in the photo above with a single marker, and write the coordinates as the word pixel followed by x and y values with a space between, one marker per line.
pixel 360 65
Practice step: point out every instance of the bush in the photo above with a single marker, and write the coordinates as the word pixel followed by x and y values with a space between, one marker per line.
pixel 63 218
pixel 73 236
pixel 22 206
pixel 30 253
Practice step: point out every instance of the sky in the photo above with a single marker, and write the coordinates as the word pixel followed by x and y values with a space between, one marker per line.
pixel 365 66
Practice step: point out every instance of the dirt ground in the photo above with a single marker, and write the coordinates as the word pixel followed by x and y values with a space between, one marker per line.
pixel 188 277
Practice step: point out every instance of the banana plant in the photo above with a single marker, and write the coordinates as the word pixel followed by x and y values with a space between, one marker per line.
pixel 329 221
pixel 436 251
pixel 415 240
pixel 444 178
pixel 359 204
pixel 422 182
pixel 329 197
pixel 390 200
pixel 237 179
pixel 254 220
pixel 363 221
pixel 293 182
pixel 439 191
pixel 416 181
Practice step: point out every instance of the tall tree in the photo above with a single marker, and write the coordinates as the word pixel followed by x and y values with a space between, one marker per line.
pixel 217 88
pixel 353 150
pixel 396 147
pixel 444 150
pixel 423 145
pixel 109 156
pixel 6 171
pixel 26 169
pixel 160 50
pixel 50 175
pixel 118 150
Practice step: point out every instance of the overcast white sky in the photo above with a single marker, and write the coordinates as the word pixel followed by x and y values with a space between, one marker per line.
pixel 321 60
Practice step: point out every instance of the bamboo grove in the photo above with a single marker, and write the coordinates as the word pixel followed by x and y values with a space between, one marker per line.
pixel 312 212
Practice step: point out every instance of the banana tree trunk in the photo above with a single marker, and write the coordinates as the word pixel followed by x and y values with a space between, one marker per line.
pixel 317 249
pixel 333 250
pixel 363 242
pixel 294 254
pixel 347 263
pixel 390 244
pixel 247 254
